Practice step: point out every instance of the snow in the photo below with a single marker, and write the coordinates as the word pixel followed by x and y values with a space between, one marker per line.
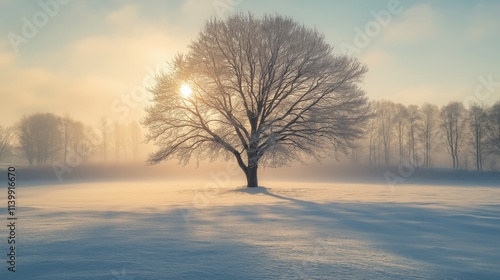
pixel 158 229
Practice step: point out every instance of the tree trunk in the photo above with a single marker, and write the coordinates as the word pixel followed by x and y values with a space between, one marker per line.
pixel 252 177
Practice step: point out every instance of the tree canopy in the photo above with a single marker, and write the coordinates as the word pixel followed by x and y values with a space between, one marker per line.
pixel 264 90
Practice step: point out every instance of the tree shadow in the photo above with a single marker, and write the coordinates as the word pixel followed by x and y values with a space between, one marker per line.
pixel 297 240
pixel 446 241
pixel 268 192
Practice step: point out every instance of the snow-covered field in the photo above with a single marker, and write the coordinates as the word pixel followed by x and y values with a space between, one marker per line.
pixel 178 230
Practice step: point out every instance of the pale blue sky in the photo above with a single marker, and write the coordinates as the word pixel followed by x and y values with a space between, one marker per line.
pixel 90 57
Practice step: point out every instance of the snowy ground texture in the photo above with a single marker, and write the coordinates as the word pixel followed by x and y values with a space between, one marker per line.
pixel 176 230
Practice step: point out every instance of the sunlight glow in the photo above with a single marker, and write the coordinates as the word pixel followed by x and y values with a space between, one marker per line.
pixel 186 91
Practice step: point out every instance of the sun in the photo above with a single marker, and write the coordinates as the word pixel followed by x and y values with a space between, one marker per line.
pixel 186 91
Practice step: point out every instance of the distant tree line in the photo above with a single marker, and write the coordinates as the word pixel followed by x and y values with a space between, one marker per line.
pixel 396 134
pixel 43 138
pixel 411 135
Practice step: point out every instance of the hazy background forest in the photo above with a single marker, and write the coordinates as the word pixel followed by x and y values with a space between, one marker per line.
pixel 452 136
pixel 87 103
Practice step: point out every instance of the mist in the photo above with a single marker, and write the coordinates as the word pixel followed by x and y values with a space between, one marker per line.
pixel 236 139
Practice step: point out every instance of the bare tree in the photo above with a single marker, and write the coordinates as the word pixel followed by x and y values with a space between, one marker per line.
pixel 5 139
pixel 355 152
pixel 104 128
pixel 26 138
pixel 40 137
pixel 88 146
pixel 453 119
pixel 372 138
pixel 263 90
pixel 430 119
pixel 401 121
pixel 385 116
pixel 414 127
pixel 67 125
pixel 135 138
pixel 122 140
pixel 494 128
pixel 118 135
pixel 83 140
pixel 478 125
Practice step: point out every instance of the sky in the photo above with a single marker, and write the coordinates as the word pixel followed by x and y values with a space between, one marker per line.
pixel 90 59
